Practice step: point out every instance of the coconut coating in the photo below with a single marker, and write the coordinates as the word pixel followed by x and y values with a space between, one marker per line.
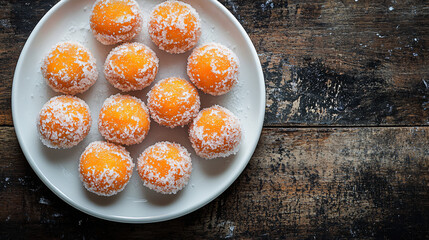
pixel 115 21
pixel 174 26
pixel 131 66
pixel 165 167
pixel 105 168
pixel 63 122
pixel 124 119
pixel 173 102
pixel 69 68
pixel 215 132
pixel 213 68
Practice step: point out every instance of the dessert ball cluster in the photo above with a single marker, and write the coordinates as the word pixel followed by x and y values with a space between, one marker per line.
pixel 105 167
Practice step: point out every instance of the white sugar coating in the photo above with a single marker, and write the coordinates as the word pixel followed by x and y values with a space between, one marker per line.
pixel 156 104
pixel 210 143
pixel 222 85
pixel 115 73
pixel 128 134
pixel 167 184
pixel 126 31
pixel 160 27
pixel 105 182
pixel 62 81
pixel 60 126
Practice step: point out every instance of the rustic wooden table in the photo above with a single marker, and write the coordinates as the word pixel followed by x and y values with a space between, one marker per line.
pixel 345 148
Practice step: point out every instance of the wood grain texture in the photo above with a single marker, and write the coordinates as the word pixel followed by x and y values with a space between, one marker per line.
pixel 365 183
pixel 341 62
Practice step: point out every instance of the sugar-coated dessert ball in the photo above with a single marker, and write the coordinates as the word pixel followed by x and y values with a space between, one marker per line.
pixel 63 122
pixel 174 26
pixel 105 168
pixel 131 66
pixel 213 68
pixel 165 167
pixel 115 21
pixel 215 132
pixel 124 120
pixel 69 68
pixel 173 102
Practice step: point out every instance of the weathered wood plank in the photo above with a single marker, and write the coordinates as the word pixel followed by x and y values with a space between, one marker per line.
pixel 341 62
pixel 365 183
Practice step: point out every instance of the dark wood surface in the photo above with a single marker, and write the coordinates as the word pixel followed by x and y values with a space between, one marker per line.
pixel 345 148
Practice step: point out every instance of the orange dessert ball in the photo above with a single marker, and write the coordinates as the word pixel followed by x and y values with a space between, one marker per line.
pixel 115 21
pixel 165 167
pixel 213 68
pixel 124 119
pixel 131 66
pixel 215 132
pixel 63 122
pixel 69 68
pixel 174 26
pixel 173 102
pixel 105 168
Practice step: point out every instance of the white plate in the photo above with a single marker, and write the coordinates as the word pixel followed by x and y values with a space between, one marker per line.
pixel 69 20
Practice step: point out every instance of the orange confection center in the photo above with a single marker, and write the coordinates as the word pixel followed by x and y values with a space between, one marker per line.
pixel 158 161
pixel 173 102
pixel 165 167
pixel 131 60
pixel 215 132
pixel 174 26
pixel 213 122
pixel 129 108
pixel 64 121
pixel 114 16
pixel 132 65
pixel 123 117
pixel 213 68
pixel 105 168
pixel 67 61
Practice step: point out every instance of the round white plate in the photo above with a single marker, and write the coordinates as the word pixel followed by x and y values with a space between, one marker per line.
pixel 69 21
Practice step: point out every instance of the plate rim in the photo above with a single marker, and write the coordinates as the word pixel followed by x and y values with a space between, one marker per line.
pixel 124 219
